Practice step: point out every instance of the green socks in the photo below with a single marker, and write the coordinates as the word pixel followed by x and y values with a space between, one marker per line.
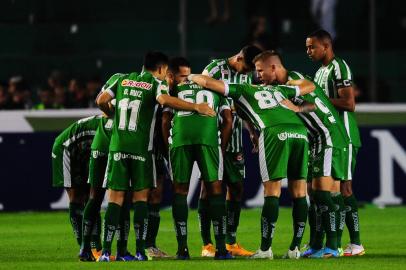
pixel 95 240
pixel 351 219
pixel 111 220
pixel 204 220
pixel 153 224
pixel 218 216
pixel 269 216
pixel 180 215
pixel 123 229
pixel 140 225
pixel 233 209
pixel 76 217
pixel 340 215
pixel 326 207
pixel 299 215
pixel 89 221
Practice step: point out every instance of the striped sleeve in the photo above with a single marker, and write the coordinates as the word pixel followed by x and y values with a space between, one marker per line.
pixel 161 89
pixel 111 85
pixel 213 70
pixel 224 104
pixel 342 74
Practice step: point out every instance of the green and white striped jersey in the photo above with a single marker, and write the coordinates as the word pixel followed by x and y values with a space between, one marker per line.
pixel 82 131
pixel 336 75
pixel 324 124
pixel 220 69
pixel 135 112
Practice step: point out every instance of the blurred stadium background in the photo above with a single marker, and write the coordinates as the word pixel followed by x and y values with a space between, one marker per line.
pixel 55 56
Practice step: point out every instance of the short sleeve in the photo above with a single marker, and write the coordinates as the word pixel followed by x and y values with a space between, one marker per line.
pixel 111 85
pixel 224 104
pixel 342 75
pixel 289 91
pixel 213 70
pixel 162 89
pixel 234 90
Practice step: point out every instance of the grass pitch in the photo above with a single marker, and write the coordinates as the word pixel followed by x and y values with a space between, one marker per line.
pixel 45 241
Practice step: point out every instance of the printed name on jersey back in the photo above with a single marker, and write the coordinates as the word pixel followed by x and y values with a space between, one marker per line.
pixel 131 83
pixel 132 92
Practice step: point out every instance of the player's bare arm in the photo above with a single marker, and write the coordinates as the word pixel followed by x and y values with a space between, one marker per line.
pixel 103 101
pixel 178 104
pixel 253 135
pixel 226 128
pixel 166 126
pixel 305 86
pixel 345 100
pixel 209 83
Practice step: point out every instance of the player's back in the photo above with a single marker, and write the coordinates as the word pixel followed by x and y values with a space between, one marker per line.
pixel 102 137
pixel 263 104
pixel 325 121
pixel 83 129
pixel 135 112
pixel 190 127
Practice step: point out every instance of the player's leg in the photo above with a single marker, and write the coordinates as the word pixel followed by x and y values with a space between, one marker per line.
pixel 143 178
pixel 91 243
pixel 355 247
pixel 117 183
pixel 124 230
pixel 203 207
pixel 273 160
pixel 340 212
pixel 297 173
pixel 154 204
pixel 77 198
pixel 210 162
pixel 234 173
pixel 181 165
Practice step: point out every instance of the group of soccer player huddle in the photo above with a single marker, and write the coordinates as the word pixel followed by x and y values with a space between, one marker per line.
pixel 164 119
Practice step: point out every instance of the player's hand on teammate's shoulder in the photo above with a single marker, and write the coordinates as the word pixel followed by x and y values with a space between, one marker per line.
pixel 205 109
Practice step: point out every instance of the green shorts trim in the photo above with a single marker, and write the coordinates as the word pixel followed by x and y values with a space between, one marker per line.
pixel 283 152
pixel 328 161
pixel 97 168
pixel 209 160
pixel 130 171
pixel 350 159
pixel 234 169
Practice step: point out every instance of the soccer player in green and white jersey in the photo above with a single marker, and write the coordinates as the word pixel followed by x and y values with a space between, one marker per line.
pixel 336 79
pixel 131 162
pixel 330 140
pixel 195 138
pixel 283 143
pixel 236 69
pixel 70 159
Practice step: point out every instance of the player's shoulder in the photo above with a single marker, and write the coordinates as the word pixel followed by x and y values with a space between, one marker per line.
pixel 295 75
pixel 341 68
pixel 214 66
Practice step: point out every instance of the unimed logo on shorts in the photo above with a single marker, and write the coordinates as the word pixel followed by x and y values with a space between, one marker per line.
pixel 118 156
pixel 284 135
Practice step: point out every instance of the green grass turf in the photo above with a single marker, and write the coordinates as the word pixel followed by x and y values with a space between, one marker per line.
pixel 45 241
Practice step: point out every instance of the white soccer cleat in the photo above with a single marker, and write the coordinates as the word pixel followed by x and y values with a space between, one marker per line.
pixel 354 250
pixel 292 254
pixel 259 254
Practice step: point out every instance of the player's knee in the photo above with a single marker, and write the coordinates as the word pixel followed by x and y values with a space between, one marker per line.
pixel 346 188
pixel 214 188
pixel 181 189
pixel 155 195
pixel 235 191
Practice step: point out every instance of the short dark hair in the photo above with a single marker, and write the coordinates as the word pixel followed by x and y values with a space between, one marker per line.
pixel 265 55
pixel 321 34
pixel 176 62
pixel 249 52
pixel 153 60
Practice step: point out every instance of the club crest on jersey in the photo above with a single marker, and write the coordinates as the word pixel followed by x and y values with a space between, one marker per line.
pixel 131 83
